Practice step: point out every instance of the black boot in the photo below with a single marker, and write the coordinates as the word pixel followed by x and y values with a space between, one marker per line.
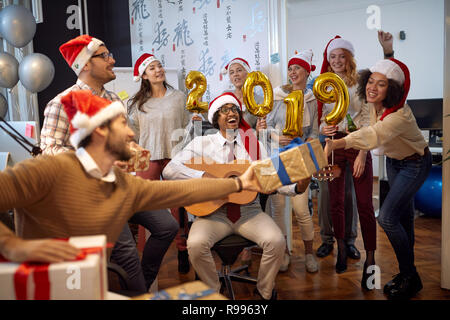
pixel 341 263
pixel 407 288
pixel 392 283
pixel 183 262
pixel 366 276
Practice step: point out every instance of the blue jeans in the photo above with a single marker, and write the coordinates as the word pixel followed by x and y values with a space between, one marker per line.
pixel 396 216
pixel 163 228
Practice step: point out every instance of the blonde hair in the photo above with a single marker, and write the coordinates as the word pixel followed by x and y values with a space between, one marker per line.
pixel 287 88
pixel 351 75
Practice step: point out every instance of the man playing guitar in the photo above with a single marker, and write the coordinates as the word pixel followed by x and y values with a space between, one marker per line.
pixel 231 142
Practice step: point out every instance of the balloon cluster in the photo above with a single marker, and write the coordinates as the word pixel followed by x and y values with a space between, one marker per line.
pixel 35 71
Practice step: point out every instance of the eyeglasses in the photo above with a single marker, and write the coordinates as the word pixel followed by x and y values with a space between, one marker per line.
pixel 226 110
pixel 105 55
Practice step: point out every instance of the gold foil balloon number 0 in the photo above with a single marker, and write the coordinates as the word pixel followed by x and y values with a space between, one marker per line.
pixel 193 103
pixel 294 114
pixel 258 78
pixel 337 95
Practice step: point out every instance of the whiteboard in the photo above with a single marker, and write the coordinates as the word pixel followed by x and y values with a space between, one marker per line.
pixel 124 81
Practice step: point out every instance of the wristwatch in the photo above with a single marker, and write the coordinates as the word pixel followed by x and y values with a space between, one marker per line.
pixel 389 55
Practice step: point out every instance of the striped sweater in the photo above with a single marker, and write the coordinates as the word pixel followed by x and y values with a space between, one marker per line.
pixel 54 197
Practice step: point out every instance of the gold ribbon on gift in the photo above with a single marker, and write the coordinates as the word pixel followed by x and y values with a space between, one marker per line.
pixel 297 163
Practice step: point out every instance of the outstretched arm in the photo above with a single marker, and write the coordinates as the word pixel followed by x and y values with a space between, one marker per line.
pixel 17 249
pixel 387 43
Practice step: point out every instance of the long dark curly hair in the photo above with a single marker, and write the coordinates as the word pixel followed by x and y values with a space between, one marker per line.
pixel 394 92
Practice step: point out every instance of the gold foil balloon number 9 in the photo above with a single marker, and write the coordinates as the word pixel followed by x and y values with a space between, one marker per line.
pixel 294 114
pixel 193 103
pixel 258 78
pixel 337 95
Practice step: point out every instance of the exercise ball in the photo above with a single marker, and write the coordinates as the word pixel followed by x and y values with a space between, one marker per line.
pixel 428 199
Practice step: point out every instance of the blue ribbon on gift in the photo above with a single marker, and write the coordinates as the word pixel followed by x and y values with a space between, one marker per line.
pixel 279 166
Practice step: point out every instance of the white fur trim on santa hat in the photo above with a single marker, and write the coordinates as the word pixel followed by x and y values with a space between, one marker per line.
pixel 85 125
pixel 144 64
pixel 390 69
pixel 340 43
pixel 85 54
pixel 219 102
pixel 303 59
pixel 238 61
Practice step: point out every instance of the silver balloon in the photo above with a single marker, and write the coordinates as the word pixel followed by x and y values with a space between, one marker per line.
pixel 36 72
pixel 3 106
pixel 9 70
pixel 17 25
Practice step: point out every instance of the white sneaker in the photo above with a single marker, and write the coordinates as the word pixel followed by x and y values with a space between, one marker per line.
pixel 311 263
pixel 285 264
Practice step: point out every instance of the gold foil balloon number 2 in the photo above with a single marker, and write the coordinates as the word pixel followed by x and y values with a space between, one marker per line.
pixel 337 95
pixel 193 103
pixel 258 78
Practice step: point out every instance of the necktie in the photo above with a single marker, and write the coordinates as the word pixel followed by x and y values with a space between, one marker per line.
pixel 233 210
pixel 231 155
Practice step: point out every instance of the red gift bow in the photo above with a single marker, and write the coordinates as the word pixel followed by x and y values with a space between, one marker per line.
pixel 40 274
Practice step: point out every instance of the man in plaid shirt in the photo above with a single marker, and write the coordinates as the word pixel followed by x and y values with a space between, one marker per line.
pixel 93 63
pixel 96 72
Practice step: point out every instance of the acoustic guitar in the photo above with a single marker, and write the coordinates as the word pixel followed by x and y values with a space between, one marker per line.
pixel 233 169
pixel 328 173
pixel 220 170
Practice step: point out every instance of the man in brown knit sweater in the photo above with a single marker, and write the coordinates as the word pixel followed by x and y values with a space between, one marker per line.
pixel 92 62
pixel 82 193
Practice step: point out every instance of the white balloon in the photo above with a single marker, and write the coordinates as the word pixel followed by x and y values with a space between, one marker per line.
pixel 3 106
pixel 36 72
pixel 17 25
pixel 9 70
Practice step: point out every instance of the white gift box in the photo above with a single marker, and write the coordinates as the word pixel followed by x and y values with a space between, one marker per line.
pixel 84 279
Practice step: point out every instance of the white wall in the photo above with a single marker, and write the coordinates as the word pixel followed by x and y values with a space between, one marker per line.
pixel 311 24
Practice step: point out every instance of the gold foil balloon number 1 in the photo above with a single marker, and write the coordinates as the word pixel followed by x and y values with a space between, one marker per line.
pixel 258 78
pixel 337 95
pixel 294 114
pixel 193 103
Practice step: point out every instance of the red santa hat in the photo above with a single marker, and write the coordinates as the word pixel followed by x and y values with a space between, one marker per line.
pixel 240 61
pixel 303 59
pixel 395 70
pixel 86 112
pixel 79 50
pixel 248 137
pixel 141 64
pixel 227 97
pixel 336 43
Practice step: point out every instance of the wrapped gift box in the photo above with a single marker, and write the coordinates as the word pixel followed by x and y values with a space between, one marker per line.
pixel 83 279
pixel 194 290
pixel 295 162
pixel 140 161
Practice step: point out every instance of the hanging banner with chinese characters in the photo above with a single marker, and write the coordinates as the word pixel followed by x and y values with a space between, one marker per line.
pixel 201 35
